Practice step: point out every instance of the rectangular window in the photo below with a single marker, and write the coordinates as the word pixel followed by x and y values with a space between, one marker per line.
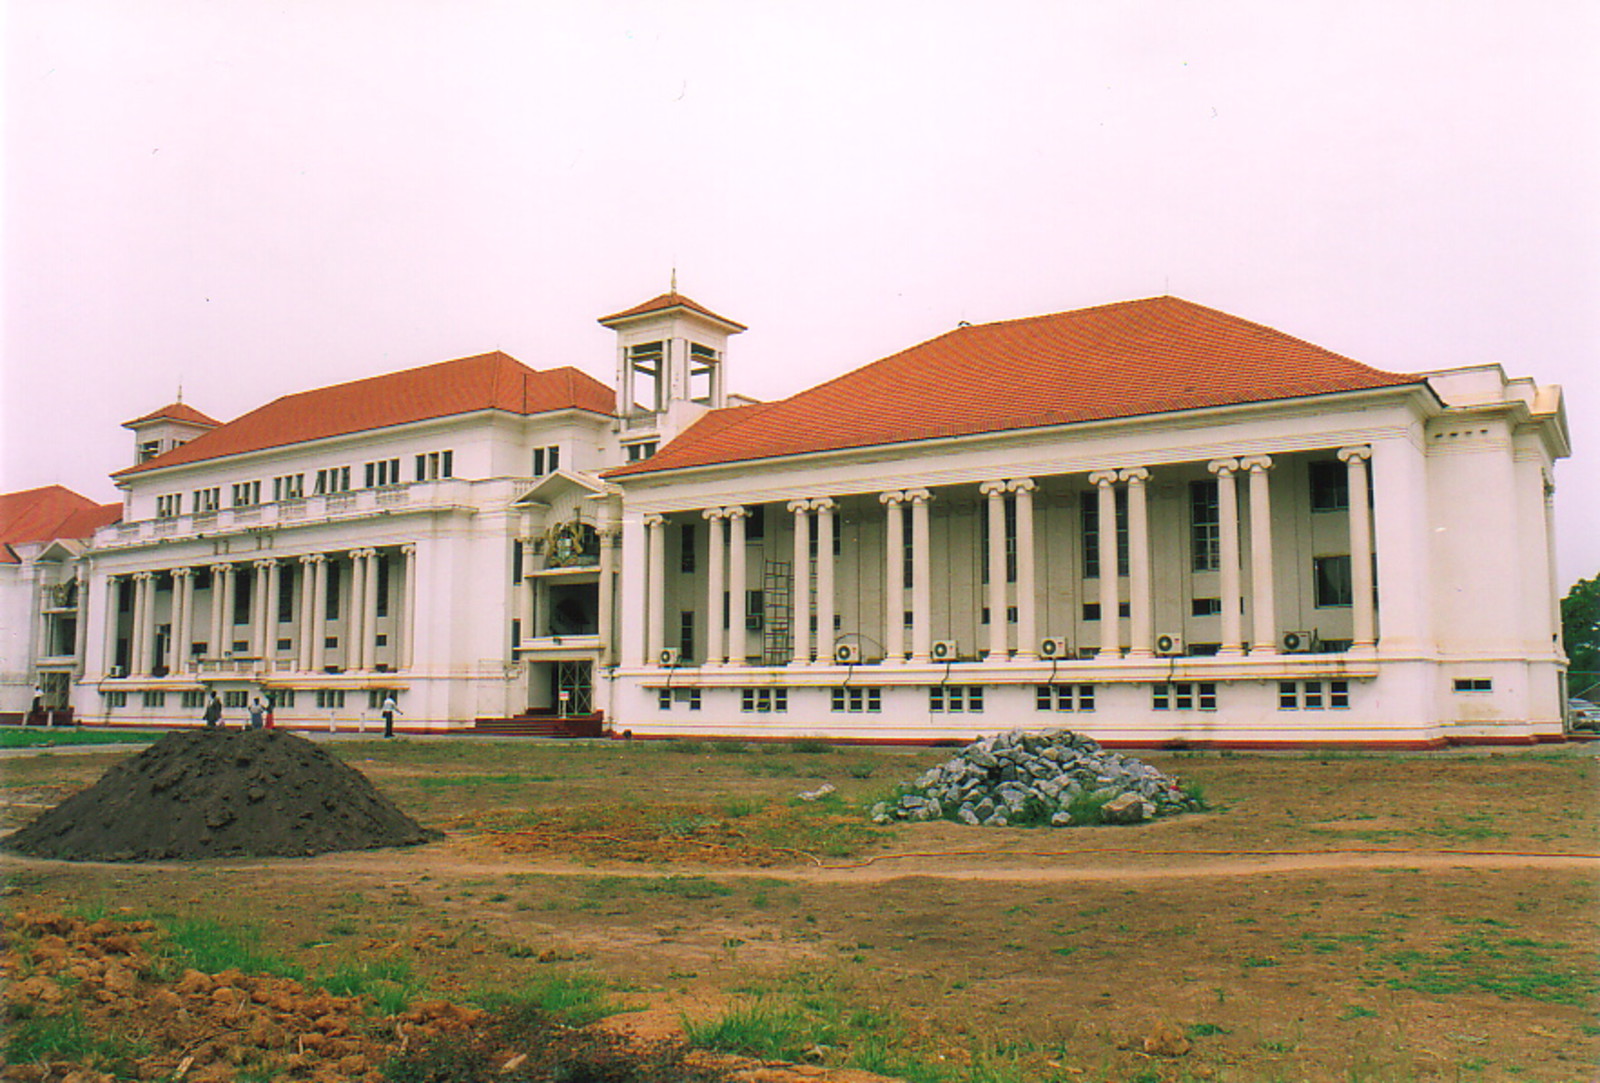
pixel 857 700
pixel 1089 516
pixel 646 362
pixel 755 523
pixel 235 699
pixel 686 561
pixel 1205 527
pixel 1205 607
pixel 155 699
pixel 1474 684
pixel 1091 610
pixel 689 697
pixel 149 450
pixel 764 700
pixel 286 592
pixel 1331 578
pixel 702 372
pixel 908 550
pixel 115 699
pixel 433 465
pixel 285 644
pixel 330 698
pixel 282 697
pixel 663 699
pixel 289 487
pixel 1064 697
pixel 1311 696
pixel 335 479
pixel 169 506
pixel 332 600
pixel 207 500
pixel 755 610
pixel 242 589
pixel 686 635
pixel 383 472
pixel 1339 695
pixel 642 450
pixel 1288 696
pixel 1330 485
pixel 1207 695
pixel 955 699
pixel 192 699
pixel 1184 696
pixel 382 569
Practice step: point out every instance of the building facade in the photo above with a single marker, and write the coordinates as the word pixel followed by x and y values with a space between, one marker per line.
pixel 1148 521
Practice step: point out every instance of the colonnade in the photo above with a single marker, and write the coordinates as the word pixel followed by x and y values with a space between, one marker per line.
pixel 814 579
pixel 311 621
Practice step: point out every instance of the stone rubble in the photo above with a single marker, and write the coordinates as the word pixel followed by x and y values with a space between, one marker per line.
pixel 1021 777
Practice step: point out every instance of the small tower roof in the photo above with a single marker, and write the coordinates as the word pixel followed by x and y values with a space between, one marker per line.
pixel 174 411
pixel 665 303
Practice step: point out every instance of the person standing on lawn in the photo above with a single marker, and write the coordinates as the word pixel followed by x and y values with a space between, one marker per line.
pixel 390 709
pixel 213 715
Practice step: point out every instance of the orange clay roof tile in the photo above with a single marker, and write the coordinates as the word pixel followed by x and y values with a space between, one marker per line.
pixel 47 513
pixel 174 411
pixel 1128 359
pixel 667 301
pixel 491 381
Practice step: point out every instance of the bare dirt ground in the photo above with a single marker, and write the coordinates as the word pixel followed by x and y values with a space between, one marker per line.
pixel 1335 916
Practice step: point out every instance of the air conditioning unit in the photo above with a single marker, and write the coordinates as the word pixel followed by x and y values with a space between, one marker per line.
pixel 668 656
pixel 1297 642
pixel 1169 643
pixel 1054 647
pixel 944 650
pixel 117 671
pixel 847 654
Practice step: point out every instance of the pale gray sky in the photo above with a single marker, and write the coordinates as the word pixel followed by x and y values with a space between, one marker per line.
pixel 255 198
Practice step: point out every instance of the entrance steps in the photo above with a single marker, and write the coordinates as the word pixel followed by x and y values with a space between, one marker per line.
pixel 541 725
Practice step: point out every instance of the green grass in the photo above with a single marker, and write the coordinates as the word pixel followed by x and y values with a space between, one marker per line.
pixel 66 1037
pixel 60 737
pixel 389 982
pixel 574 1000
pixel 211 947
pixel 443 782
pixel 1487 961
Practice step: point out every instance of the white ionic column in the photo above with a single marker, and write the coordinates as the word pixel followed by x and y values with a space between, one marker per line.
pixel 800 604
pixel 921 576
pixel 1027 623
pixel 80 627
pixel 113 612
pixel 716 565
pixel 407 628
pixel 138 666
pixel 1263 608
pixel 147 624
pixel 525 590
pixel 308 588
pixel 182 618
pixel 228 588
pixel 995 492
pixel 274 599
pixel 1106 543
pixel 824 507
pixel 1228 555
pixel 319 612
pixel 655 527
pixel 1140 637
pixel 214 635
pixel 369 615
pixel 259 617
pixel 605 619
pixel 1362 618
pixel 894 604
pixel 355 611
pixel 737 584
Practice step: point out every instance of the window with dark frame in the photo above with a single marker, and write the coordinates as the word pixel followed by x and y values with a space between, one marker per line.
pixel 1330 485
pixel 1331 582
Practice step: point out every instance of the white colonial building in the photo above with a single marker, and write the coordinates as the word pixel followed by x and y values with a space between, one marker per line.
pixel 1150 521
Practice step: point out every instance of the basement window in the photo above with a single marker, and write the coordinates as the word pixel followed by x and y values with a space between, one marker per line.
pixel 956 699
pixel 1064 697
pixel 764 700
pixel 1474 684
pixel 857 700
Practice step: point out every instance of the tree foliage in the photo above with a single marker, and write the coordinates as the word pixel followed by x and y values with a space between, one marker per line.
pixel 1580 631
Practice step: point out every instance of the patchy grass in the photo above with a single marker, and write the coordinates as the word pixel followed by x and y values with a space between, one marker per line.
pixel 573 1000
pixel 1488 961
pixel 62 737
pixel 212 947
pixel 66 1037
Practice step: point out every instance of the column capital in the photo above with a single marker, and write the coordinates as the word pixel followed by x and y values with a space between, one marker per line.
pixel 312 558
pixel 221 569
pixel 919 496
pixel 264 563
pixel 1134 475
pixel 183 573
pixel 824 503
pixel 714 513
pixel 1256 463
pixel 1223 466
pixel 409 549
pixel 992 488
pixel 1103 478
pixel 141 577
pixel 799 507
pixel 892 498
pixel 1359 451
pixel 735 511
pixel 1022 485
pixel 362 554
pixel 655 519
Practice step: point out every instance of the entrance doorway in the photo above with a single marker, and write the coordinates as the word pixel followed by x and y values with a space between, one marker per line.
pixel 574 688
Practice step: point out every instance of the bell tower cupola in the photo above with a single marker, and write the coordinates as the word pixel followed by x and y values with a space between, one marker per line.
pixel 671 365
pixel 162 430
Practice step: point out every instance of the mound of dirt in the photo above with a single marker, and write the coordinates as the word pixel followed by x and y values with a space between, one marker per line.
pixel 221 793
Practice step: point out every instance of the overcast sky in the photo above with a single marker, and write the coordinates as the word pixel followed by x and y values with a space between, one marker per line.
pixel 250 199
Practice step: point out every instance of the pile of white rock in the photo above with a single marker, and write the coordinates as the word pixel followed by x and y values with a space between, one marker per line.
pixel 1037 778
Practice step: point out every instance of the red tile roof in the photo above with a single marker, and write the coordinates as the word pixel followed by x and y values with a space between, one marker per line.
pixel 174 411
pixel 1119 360
pixel 491 381
pixel 47 513
pixel 663 303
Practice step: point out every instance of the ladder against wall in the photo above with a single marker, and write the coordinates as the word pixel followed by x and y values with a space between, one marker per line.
pixel 777 646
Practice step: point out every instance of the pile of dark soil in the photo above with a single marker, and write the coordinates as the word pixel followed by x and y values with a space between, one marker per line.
pixel 221 793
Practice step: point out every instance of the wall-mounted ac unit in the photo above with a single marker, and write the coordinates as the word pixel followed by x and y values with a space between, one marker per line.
pixel 1296 642
pixel 1169 643
pixel 944 650
pixel 668 656
pixel 117 671
pixel 1054 647
pixel 847 654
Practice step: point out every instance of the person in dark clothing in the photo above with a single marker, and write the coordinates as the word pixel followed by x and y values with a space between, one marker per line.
pixel 213 715
pixel 390 709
